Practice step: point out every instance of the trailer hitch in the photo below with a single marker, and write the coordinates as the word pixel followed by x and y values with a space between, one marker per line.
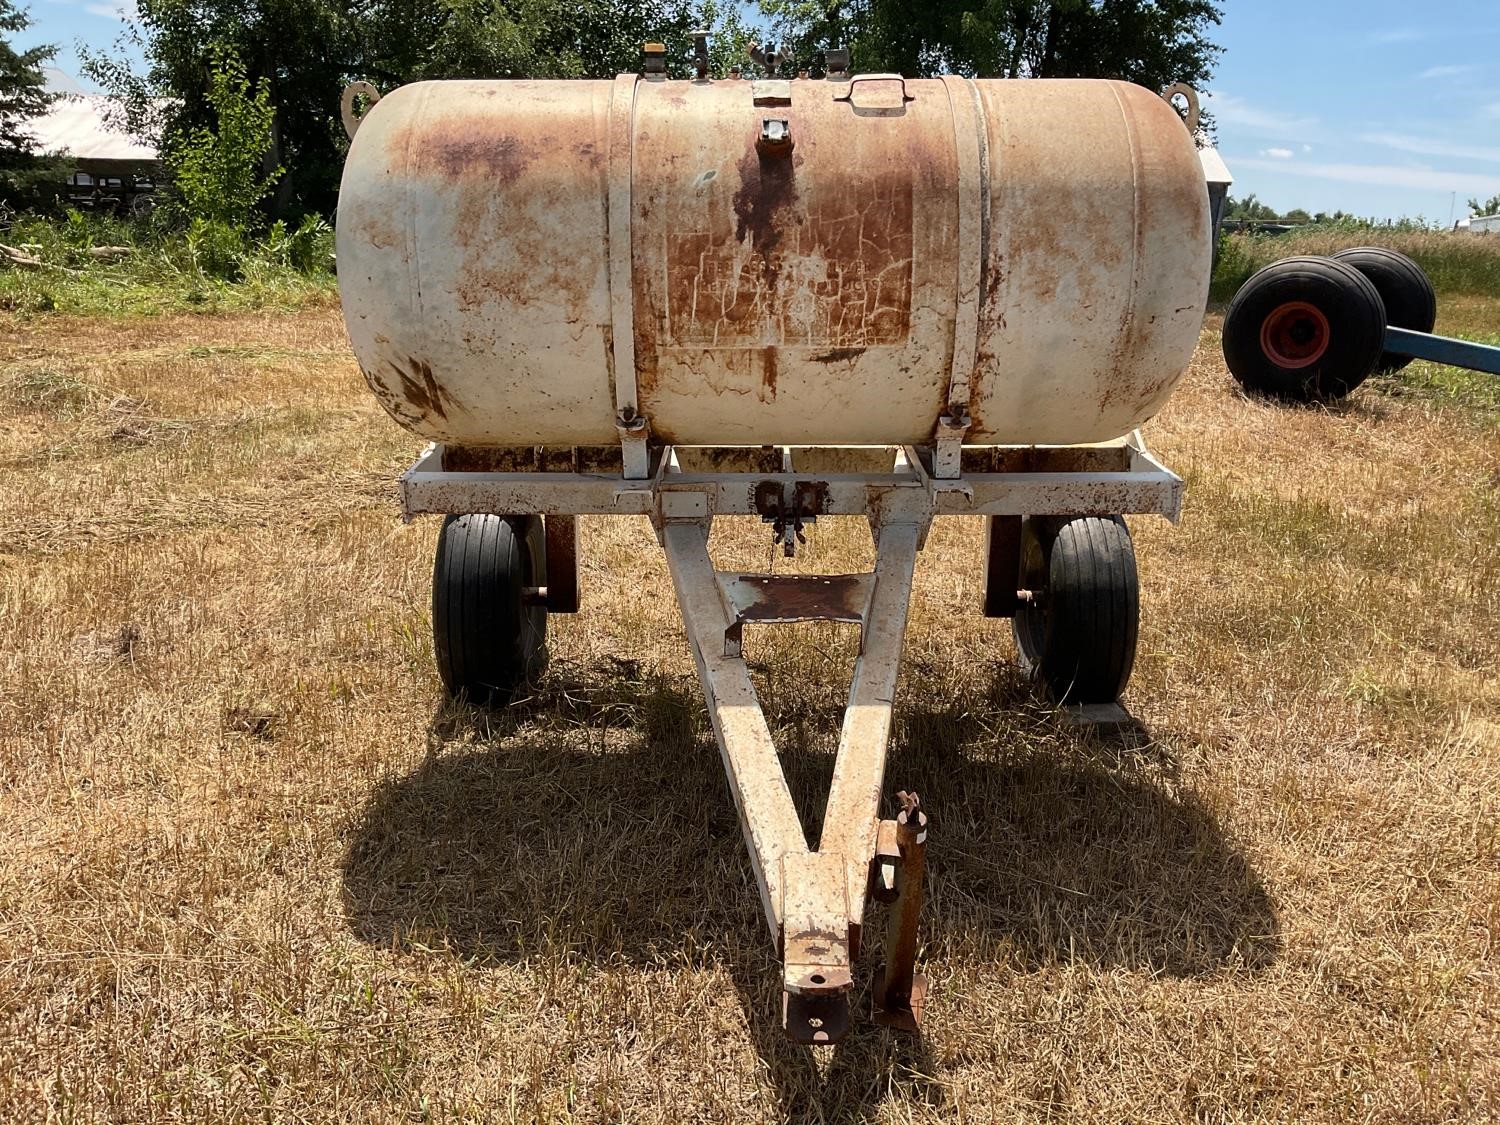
pixel 788 507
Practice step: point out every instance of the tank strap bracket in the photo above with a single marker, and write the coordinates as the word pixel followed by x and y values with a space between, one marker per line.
pixel 634 450
pixel 948 454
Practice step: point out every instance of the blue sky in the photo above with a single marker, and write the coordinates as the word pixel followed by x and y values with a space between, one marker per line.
pixel 1378 107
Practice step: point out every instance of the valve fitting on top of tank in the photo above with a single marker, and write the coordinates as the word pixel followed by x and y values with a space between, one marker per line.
pixel 700 54
pixel 765 57
pixel 654 61
pixel 836 64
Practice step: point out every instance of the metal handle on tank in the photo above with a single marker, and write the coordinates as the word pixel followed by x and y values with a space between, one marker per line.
pixel 875 111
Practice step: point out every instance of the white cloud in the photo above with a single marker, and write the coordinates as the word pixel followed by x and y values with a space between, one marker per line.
pixel 1385 175
pixel 1230 110
pixel 1447 71
pixel 1278 153
pixel 1424 147
pixel 1307 148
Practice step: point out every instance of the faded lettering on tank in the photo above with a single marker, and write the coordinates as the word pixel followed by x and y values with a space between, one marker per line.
pixel 789 263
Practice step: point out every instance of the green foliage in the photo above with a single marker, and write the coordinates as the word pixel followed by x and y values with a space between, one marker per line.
pixel 730 36
pixel 1152 42
pixel 307 51
pixel 308 248
pixel 1249 208
pixel 1455 263
pixel 23 96
pixel 1490 206
pixel 210 267
pixel 216 248
pixel 220 173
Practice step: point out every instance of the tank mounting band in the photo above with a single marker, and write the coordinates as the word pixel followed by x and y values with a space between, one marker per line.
pixel 969 133
pixel 630 422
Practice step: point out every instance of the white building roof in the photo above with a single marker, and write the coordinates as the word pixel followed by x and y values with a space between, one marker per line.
pixel 1215 171
pixel 76 125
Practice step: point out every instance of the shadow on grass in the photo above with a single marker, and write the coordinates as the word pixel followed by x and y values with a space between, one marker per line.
pixel 610 833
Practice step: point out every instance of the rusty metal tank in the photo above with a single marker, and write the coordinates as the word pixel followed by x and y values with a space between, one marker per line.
pixel 803 262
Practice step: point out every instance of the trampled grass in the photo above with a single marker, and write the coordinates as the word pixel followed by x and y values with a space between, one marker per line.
pixel 255 869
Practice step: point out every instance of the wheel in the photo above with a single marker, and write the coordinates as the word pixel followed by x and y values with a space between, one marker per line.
pixel 489 632
pixel 1404 290
pixel 1077 634
pixel 1306 329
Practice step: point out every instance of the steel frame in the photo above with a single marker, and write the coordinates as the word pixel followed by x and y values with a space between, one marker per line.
pixel 814 899
pixel 1444 349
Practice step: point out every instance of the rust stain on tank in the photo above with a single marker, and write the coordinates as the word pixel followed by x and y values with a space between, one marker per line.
pixel 839 355
pixel 767 192
pixel 420 389
pixel 769 373
pixel 454 153
pixel 801 263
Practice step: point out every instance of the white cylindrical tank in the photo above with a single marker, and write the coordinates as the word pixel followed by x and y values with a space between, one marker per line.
pixel 521 261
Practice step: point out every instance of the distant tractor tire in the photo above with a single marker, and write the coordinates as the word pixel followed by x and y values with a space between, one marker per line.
pixel 1076 634
pixel 489 625
pixel 1404 289
pixel 1305 329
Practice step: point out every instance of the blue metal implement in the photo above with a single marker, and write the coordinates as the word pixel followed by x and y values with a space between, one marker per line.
pixel 1442 349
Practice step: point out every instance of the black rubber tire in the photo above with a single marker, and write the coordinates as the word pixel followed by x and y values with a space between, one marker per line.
pixel 1352 330
pixel 1078 636
pixel 1409 299
pixel 487 639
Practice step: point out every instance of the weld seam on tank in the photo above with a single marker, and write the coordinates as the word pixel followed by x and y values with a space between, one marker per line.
pixel 621 173
pixel 1125 340
pixel 413 245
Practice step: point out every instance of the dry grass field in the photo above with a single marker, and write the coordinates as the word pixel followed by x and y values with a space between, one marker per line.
pixel 254 870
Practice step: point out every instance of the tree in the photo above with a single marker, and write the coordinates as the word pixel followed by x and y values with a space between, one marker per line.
pixel 307 51
pixel 220 172
pixel 1152 42
pixel 1490 206
pixel 23 98
pixel 1248 208
pixel 299 50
